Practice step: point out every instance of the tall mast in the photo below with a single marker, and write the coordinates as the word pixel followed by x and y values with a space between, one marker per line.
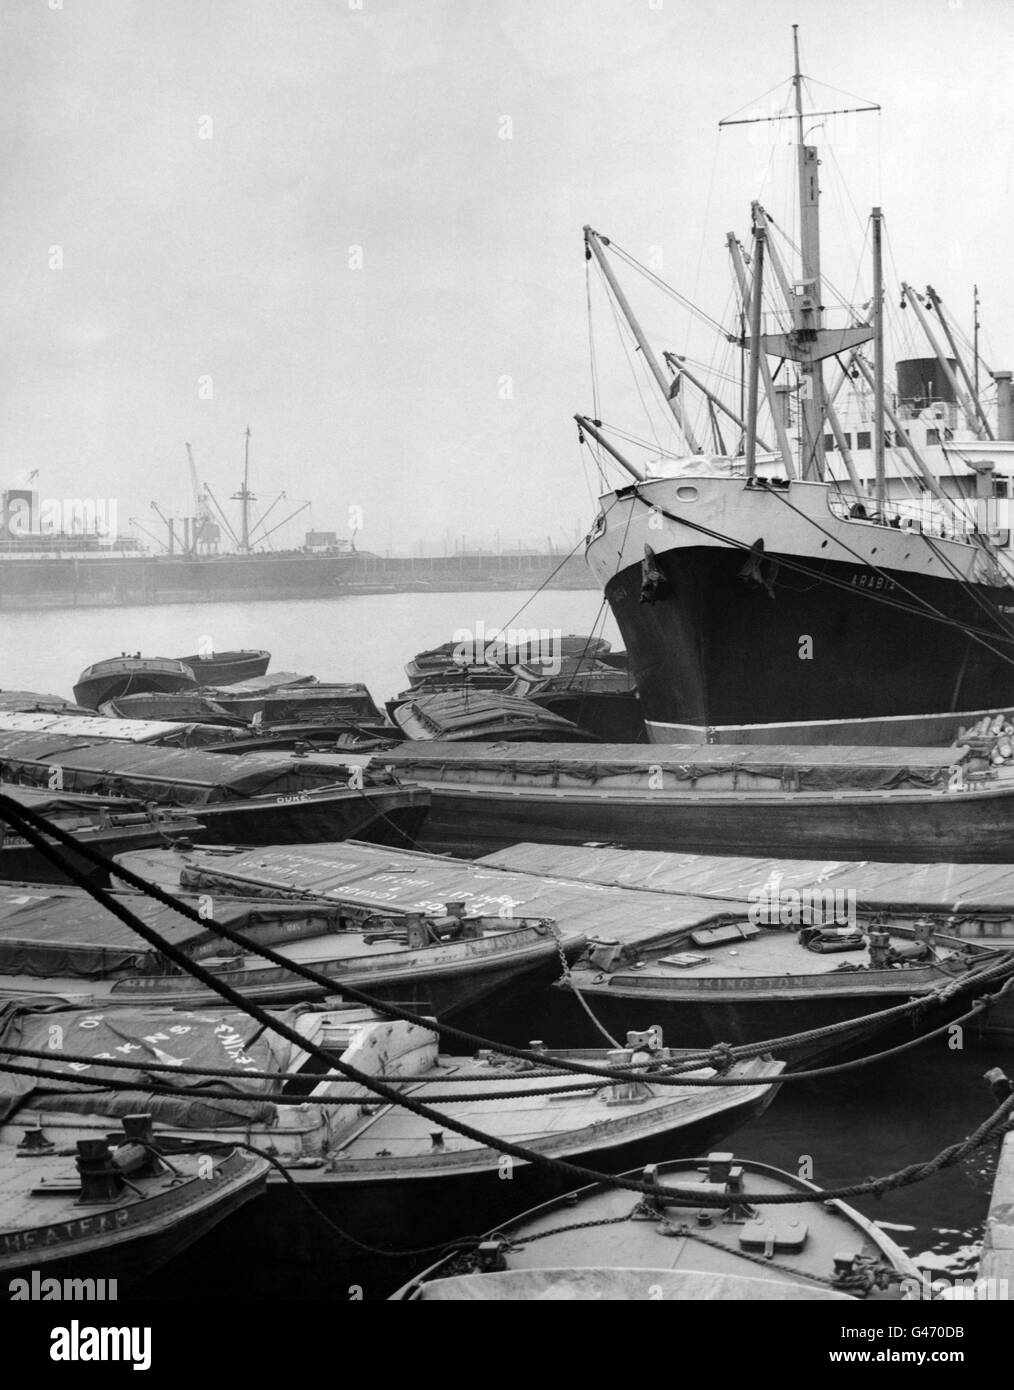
pixel 595 244
pixel 808 342
pixel 756 347
pixel 746 299
pixel 787 294
pixel 810 316
pixel 244 497
pixel 878 361
pixel 975 342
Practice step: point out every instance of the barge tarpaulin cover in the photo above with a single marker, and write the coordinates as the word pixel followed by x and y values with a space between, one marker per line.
pixel 48 933
pixel 100 728
pixel 183 775
pixel 675 765
pixel 53 932
pixel 391 880
pixel 62 804
pixel 734 878
pixel 219 1040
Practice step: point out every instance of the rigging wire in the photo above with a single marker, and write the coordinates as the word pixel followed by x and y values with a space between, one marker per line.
pixel 635 439
pixel 992 611
pixel 931 608
pixel 621 323
pixel 795 566
pixel 707 211
pixel 603 483
pixel 591 338
pixel 599 623
pixel 756 101
pixel 666 288
pixel 841 92
pixel 545 583
pixel 841 186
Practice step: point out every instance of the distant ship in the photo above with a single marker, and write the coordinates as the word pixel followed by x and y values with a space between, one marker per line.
pixel 72 552
pixel 853 584
pixel 71 555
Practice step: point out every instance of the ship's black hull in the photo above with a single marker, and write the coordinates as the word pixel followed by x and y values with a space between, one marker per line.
pixel 614 717
pixel 716 650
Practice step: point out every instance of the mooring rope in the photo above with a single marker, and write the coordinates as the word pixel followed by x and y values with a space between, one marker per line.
pixel 914 1173
pixel 10 811
pixel 675 1075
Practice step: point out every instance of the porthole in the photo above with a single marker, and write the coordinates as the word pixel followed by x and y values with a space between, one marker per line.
pixel 685 493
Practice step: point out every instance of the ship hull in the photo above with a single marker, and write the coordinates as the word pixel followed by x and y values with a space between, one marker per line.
pixel 930 826
pixel 837 631
pixel 381 815
pixel 228 668
pixel 439 989
pixel 698 1019
pixel 397 1212
pixel 108 680
pixel 57 582
pixel 125 1243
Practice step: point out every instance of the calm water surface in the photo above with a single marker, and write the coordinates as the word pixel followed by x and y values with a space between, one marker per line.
pixel 367 638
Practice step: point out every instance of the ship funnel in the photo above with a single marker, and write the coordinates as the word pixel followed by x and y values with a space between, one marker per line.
pixel 922 382
pixel 1004 405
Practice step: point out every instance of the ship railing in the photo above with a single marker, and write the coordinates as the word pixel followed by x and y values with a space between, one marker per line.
pixel 921 516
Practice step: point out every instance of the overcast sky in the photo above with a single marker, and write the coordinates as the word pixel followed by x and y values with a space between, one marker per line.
pixel 205 168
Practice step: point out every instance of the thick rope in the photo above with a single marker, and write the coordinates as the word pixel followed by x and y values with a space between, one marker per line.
pixel 99 1084
pixel 442 1029
pixel 10 811
pixel 649 1076
pixel 371 1083
pixel 991 1128
pixel 904 1177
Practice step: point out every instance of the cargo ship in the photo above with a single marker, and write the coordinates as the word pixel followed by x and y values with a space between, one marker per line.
pixel 68 554
pixel 69 578
pixel 849 584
